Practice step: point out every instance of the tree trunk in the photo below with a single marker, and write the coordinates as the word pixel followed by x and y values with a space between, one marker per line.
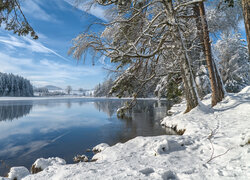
pixel 196 10
pixel 214 77
pixel 188 81
pixel 186 71
pixel 246 14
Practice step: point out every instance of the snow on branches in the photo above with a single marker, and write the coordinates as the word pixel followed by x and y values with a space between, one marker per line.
pixel 12 85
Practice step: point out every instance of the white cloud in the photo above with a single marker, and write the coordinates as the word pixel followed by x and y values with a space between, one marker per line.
pixel 43 72
pixel 94 10
pixel 29 44
pixel 33 8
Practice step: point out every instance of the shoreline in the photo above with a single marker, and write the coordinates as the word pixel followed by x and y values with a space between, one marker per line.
pixel 38 98
pixel 216 140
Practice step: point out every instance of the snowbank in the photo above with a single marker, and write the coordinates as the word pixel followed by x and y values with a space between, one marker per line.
pixel 100 147
pixel 214 146
pixel 17 173
pixel 41 163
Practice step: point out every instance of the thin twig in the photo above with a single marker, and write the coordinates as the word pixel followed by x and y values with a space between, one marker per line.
pixel 219 155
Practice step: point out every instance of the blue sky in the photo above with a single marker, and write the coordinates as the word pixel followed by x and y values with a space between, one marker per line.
pixel 45 61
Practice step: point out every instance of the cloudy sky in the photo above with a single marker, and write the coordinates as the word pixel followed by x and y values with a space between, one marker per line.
pixel 45 61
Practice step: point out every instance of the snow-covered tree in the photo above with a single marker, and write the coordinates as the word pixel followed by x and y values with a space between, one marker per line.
pixel 233 57
pixel 42 91
pixel 214 76
pixel 142 34
pixel 223 20
pixel 80 90
pixel 222 17
pixel 202 81
pixel 12 85
pixel 104 88
pixel 12 17
pixel 68 89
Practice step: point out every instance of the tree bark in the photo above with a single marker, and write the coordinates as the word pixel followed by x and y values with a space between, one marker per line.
pixel 246 14
pixel 214 77
pixel 188 81
pixel 196 10
pixel 190 91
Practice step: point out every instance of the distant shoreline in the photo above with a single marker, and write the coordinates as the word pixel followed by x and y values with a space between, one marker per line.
pixel 68 97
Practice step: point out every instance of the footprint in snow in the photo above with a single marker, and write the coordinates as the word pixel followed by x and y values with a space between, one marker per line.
pixel 147 171
pixel 170 175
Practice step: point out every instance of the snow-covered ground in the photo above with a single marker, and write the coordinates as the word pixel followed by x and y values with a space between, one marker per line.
pixel 215 145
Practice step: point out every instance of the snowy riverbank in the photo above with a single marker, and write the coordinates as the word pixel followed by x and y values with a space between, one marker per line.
pixel 215 145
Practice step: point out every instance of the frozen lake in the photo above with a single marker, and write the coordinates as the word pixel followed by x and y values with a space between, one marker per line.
pixel 30 129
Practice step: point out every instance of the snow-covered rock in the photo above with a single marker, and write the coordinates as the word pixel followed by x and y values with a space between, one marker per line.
pixel 100 147
pixel 41 163
pixel 80 158
pixel 17 173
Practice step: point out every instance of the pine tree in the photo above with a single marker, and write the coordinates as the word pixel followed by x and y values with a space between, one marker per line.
pixel 11 85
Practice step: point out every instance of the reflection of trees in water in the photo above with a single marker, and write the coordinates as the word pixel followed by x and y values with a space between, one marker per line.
pixel 108 106
pixel 14 110
pixel 146 116
pixel 142 120
pixel 145 120
pixel 69 104
pixel 10 112
pixel 153 109
pixel 81 103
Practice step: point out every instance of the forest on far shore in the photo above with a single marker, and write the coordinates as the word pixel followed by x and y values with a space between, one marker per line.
pixel 14 85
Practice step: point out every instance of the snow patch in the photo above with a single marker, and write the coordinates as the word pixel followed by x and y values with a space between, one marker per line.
pixel 42 163
pixel 100 147
pixel 17 173
pixel 4 178
pixel 245 90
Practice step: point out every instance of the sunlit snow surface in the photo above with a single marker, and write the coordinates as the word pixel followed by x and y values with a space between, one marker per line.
pixel 213 147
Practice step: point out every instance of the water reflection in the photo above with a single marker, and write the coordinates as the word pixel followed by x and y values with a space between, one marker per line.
pixel 67 127
pixel 109 107
pixel 152 108
pixel 14 111
pixel 142 120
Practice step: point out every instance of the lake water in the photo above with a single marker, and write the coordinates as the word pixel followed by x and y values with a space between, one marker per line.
pixel 67 127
